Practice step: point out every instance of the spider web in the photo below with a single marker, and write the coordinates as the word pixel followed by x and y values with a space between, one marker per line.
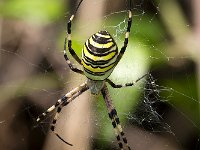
pixel 160 112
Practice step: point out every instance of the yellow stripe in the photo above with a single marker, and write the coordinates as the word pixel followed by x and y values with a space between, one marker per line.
pixel 119 128
pixel 97 45
pixel 95 70
pixel 101 35
pixel 97 58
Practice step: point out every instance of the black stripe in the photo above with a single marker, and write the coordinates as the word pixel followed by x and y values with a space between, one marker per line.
pixel 52 128
pixel 69 27
pixel 100 62
pixel 62 139
pixel 128 84
pixel 57 103
pixel 117 120
pixel 120 145
pixel 122 133
pixel 122 51
pixel 113 84
pixel 129 24
pixel 65 103
pixel 102 67
pixel 59 109
pixel 118 137
pixel 54 121
pixel 100 54
pixel 97 62
pixel 69 43
pixel 109 114
pixel 125 42
pixel 94 74
pixel 64 98
pixel 71 66
pixel 99 51
pixel 114 124
pixel 101 40
pixel 103 32
pixel 125 140
pixel 114 112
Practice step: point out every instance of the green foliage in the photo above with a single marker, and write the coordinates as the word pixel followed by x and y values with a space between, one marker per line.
pixel 36 11
pixel 184 96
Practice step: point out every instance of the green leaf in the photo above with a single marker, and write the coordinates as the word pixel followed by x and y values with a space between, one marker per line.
pixel 34 11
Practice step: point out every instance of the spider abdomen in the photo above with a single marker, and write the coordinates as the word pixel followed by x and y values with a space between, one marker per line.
pixel 99 56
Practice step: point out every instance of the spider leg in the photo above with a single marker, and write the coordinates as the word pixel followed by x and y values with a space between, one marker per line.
pixel 68 42
pixel 121 53
pixel 116 131
pixel 113 114
pixel 54 123
pixel 71 66
pixel 114 118
pixel 68 38
pixel 125 85
pixel 77 91
pixel 66 98
pixel 72 52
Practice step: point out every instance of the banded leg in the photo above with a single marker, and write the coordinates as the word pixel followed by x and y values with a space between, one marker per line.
pixel 68 42
pixel 121 53
pixel 54 123
pixel 116 131
pixel 77 91
pixel 114 118
pixel 71 66
pixel 113 114
pixel 125 85
pixel 72 52
pixel 66 98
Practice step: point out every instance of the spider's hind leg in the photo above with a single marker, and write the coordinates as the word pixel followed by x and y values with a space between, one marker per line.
pixel 115 119
pixel 50 109
pixel 113 115
pixel 66 99
pixel 54 123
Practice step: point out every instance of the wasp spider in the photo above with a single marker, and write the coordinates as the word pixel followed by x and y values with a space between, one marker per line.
pixel 99 58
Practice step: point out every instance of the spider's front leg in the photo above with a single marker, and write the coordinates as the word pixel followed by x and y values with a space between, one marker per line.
pixel 68 43
pixel 115 119
pixel 123 49
pixel 71 66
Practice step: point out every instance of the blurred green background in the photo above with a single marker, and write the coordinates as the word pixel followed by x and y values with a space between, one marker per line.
pixel 160 112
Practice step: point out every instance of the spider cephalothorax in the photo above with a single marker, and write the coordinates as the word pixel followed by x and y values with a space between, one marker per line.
pixel 99 58
pixel 95 86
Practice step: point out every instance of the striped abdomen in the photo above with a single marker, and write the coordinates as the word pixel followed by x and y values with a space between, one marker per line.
pixel 99 56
